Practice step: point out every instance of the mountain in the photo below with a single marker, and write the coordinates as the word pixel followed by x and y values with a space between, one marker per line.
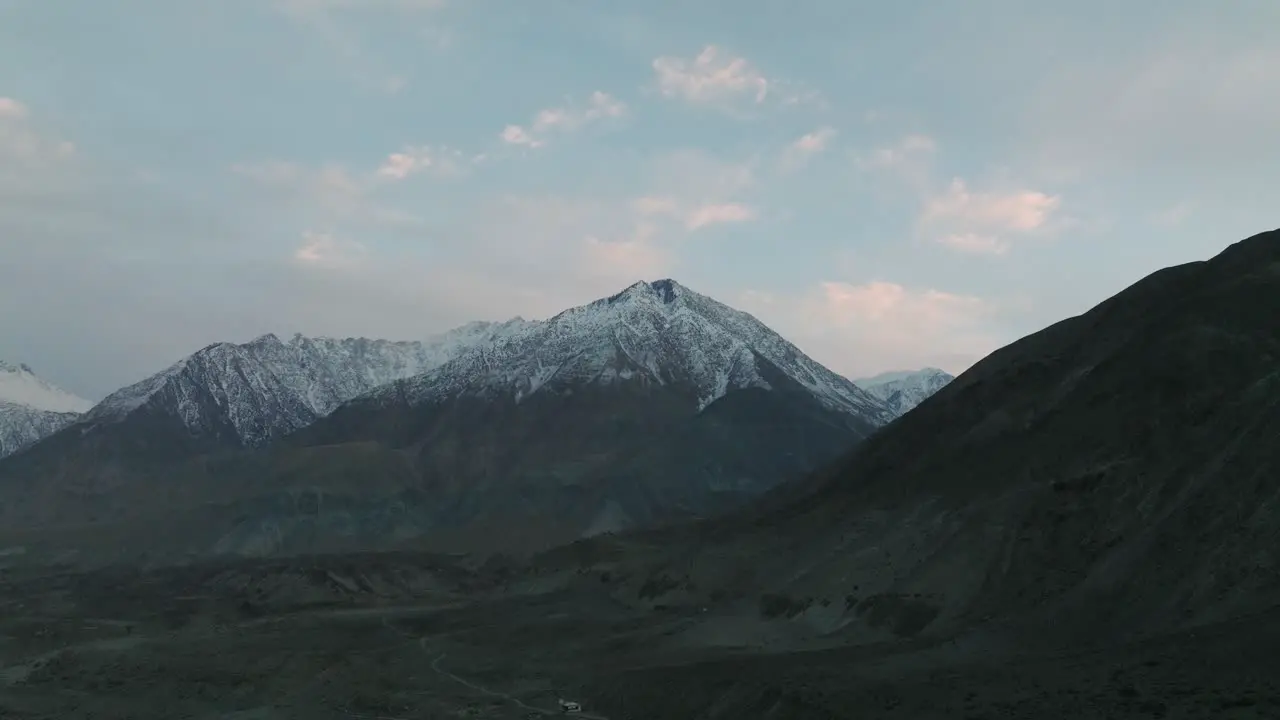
pixel 251 394
pixel 117 458
pixel 657 403
pixel 1113 477
pixel 32 408
pixel 904 390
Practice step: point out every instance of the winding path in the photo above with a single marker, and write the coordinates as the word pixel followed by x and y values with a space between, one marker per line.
pixel 435 667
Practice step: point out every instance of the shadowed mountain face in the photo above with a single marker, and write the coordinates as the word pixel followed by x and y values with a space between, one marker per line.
pixel 1115 474
pixel 651 405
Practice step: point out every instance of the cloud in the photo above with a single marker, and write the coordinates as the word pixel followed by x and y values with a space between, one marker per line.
pixel 32 158
pixel 814 142
pixel 806 146
pixel 863 329
pixel 955 216
pixel 323 250
pixel 1018 211
pixel 718 213
pixel 413 160
pixel 981 222
pixel 329 194
pixel 711 78
pixel 637 255
pixel 600 106
pixel 12 109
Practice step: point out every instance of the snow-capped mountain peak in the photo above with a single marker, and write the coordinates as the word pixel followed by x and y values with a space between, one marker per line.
pixel 266 388
pixel 20 385
pixel 902 390
pixel 658 332
pixel 32 408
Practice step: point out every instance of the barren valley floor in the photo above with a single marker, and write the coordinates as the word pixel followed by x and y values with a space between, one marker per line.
pixel 268 641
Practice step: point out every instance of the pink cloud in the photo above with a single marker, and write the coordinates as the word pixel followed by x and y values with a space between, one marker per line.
pixel 815 141
pixel 516 135
pixel 709 78
pixel 27 147
pixel 600 106
pixel 1019 211
pixel 626 258
pixel 862 329
pixel 10 108
pixel 323 250
pixel 717 213
pixel 416 159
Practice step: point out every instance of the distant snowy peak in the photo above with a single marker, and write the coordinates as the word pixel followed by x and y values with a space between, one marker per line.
pixel 266 388
pixel 19 385
pixel 904 390
pixel 658 332
pixel 32 408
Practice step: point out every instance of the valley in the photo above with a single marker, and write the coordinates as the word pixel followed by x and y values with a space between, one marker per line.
pixel 333 637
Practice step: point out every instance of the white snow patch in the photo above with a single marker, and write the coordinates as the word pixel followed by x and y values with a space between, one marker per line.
pixel 20 386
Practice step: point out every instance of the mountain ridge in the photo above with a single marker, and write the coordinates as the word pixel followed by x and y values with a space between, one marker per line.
pixel 651 404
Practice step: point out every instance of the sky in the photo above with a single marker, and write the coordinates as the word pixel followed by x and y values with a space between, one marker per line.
pixel 889 185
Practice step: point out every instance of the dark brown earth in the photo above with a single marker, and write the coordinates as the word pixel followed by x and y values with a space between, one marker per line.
pixel 1084 525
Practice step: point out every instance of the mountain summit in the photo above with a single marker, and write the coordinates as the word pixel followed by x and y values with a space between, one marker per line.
pixel 654 403
pixel 659 333
pixel 904 390
pixel 32 408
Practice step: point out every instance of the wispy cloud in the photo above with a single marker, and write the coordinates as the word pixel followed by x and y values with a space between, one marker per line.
pixel 414 160
pixel 859 329
pixel 712 77
pixel 564 119
pixel 323 250
pixel 1018 211
pixel 806 146
pixel 982 222
pixel 719 213
pixel 27 148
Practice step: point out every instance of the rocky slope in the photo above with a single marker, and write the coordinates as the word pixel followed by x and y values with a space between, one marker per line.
pixel 902 391
pixel 32 408
pixel 253 393
pixel 1112 476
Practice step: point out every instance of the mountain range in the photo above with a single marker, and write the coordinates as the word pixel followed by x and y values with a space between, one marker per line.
pixel 654 404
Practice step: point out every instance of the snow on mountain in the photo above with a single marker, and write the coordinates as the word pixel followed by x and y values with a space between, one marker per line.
pixel 903 390
pixel 21 386
pixel 659 332
pixel 267 388
pixel 32 408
